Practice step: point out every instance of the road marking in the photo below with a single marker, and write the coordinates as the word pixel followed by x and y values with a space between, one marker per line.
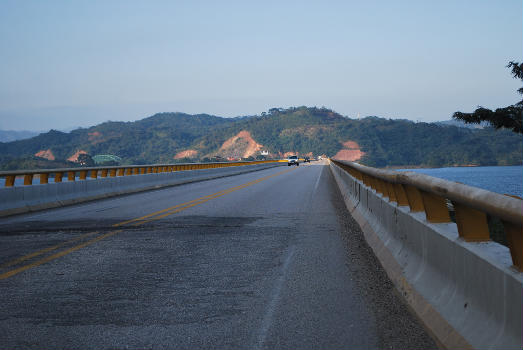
pixel 137 222
pixel 46 250
pixel 273 303
pixel 318 181
pixel 57 255
pixel 177 208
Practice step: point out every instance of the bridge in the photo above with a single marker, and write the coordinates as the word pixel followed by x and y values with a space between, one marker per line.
pixel 331 254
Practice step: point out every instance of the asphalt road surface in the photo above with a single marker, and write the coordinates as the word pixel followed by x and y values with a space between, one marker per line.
pixel 264 260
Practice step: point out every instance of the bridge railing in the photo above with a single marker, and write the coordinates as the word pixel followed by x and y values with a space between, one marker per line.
pixel 82 173
pixel 434 196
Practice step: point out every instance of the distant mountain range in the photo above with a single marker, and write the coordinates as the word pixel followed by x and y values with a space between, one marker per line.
pixel 173 137
pixel 13 135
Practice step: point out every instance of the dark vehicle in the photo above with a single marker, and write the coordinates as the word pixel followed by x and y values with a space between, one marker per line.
pixel 307 160
pixel 293 160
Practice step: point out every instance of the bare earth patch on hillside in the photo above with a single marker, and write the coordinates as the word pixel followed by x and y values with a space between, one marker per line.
pixel 351 151
pixel 287 154
pixel 242 145
pixel 74 157
pixel 95 137
pixel 189 153
pixel 47 154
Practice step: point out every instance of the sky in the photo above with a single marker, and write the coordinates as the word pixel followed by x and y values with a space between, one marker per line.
pixel 67 64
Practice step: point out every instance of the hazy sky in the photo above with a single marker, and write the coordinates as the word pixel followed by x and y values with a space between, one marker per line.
pixel 79 63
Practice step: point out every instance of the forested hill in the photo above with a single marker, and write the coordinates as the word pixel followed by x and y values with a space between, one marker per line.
pixel 168 137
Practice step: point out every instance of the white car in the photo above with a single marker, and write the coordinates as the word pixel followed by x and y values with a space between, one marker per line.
pixel 293 160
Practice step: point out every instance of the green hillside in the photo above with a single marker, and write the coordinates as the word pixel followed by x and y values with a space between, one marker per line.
pixel 304 130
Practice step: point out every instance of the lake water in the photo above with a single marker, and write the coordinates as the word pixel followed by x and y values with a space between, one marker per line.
pixel 501 179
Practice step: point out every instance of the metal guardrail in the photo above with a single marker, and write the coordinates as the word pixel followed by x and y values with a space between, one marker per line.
pixel 423 193
pixel 112 171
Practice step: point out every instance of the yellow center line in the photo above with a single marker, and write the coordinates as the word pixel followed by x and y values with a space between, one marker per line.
pixel 137 222
pixel 57 255
pixel 46 250
pixel 159 212
pixel 199 200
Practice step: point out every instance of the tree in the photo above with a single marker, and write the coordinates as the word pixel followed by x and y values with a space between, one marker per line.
pixel 508 117
pixel 85 160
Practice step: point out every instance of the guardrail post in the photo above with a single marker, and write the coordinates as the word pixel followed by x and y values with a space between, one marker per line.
pixel 58 176
pixel 71 176
pixel 435 208
pixel 44 178
pixel 10 180
pixel 401 195
pixel 384 188
pixel 414 199
pixel 128 171
pixel 94 174
pixel 373 184
pixel 121 171
pixel 83 174
pixel 104 172
pixel 136 171
pixel 28 179
pixel 514 235
pixel 381 187
pixel 112 173
pixel 472 224
pixel 367 180
pixel 390 189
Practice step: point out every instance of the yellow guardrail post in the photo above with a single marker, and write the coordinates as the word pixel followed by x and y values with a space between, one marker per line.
pixel 414 199
pixel 83 174
pixel 58 176
pixel 472 224
pixel 44 178
pixel 515 242
pixel 10 180
pixel 392 194
pixel 104 172
pixel 436 208
pixel 379 187
pixel 71 176
pixel 28 179
pixel 401 195
pixel 94 174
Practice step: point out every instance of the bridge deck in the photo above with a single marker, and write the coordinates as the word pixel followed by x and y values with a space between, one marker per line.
pixel 268 259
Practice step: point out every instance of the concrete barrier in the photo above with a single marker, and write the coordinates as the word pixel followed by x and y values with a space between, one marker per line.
pixel 468 295
pixel 23 199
